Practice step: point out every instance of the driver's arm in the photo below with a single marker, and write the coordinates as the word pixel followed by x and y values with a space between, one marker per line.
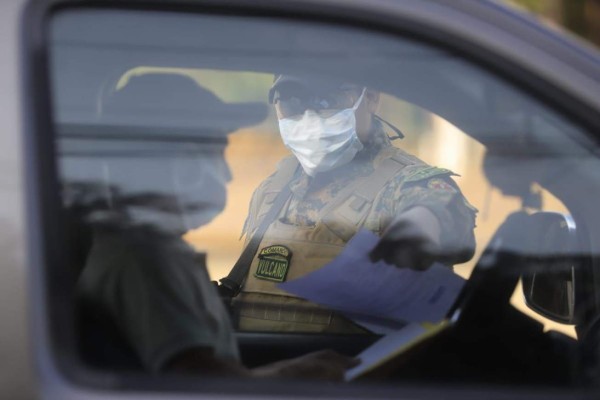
pixel 323 365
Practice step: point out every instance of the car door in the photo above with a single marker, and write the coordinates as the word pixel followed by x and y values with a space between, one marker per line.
pixel 504 109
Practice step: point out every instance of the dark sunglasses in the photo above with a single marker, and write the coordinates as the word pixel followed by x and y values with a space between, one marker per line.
pixel 293 100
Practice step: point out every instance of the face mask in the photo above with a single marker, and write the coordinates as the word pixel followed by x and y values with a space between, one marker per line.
pixel 200 189
pixel 322 144
pixel 184 193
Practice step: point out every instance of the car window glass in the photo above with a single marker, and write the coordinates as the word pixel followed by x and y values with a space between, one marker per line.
pixel 165 130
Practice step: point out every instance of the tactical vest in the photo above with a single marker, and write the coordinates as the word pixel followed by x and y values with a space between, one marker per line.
pixel 288 251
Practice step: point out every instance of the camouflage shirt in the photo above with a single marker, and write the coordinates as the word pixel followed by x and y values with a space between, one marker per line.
pixel 426 186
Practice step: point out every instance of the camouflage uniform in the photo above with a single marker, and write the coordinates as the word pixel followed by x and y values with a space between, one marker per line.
pixel 313 235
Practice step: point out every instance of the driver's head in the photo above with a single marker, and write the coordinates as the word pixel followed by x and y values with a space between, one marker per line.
pixel 160 146
pixel 325 123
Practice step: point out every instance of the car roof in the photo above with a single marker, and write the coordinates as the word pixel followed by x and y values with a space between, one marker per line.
pixel 553 52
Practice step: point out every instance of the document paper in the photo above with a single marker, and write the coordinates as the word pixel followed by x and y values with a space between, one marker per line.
pixel 365 291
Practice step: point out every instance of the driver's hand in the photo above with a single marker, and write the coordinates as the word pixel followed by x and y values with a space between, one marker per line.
pixel 323 365
pixel 411 241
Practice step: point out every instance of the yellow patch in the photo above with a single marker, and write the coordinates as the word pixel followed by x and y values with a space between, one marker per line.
pixel 273 263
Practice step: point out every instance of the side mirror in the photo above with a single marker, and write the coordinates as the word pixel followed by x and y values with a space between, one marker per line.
pixel 550 284
pixel 552 295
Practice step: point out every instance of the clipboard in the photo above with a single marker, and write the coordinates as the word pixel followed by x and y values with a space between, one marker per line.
pixel 382 354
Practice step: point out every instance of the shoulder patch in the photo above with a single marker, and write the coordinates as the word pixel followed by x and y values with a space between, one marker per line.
pixel 426 173
pixel 273 263
pixel 440 184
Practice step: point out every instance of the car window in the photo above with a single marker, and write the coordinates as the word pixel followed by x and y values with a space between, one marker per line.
pixel 187 144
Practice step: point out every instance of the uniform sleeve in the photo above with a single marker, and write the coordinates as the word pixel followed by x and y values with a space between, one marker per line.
pixel 440 194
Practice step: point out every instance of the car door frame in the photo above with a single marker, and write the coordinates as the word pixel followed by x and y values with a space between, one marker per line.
pixel 483 33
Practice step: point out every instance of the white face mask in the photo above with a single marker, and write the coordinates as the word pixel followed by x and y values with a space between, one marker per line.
pixel 193 190
pixel 200 188
pixel 322 144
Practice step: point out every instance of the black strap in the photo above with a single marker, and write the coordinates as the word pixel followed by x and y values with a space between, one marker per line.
pixel 232 283
pixel 399 134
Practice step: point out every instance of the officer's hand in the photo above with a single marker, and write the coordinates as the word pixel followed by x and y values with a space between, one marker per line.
pixel 323 365
pixel 411 241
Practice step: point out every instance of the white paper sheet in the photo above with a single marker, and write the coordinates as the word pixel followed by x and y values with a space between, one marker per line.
pixel 373 293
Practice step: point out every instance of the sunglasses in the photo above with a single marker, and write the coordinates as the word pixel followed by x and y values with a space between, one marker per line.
pixel 293 100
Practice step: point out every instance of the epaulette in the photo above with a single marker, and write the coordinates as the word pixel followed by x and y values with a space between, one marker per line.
pixel 426 173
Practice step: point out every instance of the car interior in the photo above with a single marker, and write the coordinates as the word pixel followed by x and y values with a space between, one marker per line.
pixel 530 154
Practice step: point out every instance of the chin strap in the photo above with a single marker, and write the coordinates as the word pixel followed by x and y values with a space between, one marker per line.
pixel 399 134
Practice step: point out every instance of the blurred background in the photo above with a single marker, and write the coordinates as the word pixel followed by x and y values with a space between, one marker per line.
pixel 581 17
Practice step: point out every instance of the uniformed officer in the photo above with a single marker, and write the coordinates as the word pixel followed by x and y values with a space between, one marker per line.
pixel 344 175
pixel 141 282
